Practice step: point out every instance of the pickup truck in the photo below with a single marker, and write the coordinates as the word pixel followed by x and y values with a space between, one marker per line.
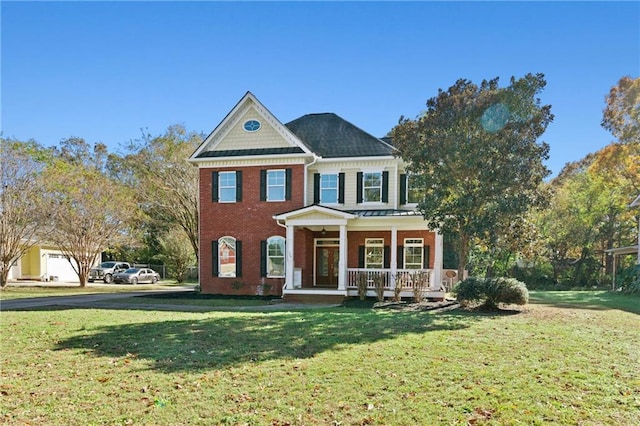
pixel 106 270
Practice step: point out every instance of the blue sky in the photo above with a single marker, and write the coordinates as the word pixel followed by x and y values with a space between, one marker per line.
pixel 105 70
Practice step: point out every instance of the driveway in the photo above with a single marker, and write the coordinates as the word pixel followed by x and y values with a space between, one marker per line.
pixel 81 300
pixel 103 301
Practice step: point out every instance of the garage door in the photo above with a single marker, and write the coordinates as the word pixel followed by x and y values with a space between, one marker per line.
pixel 59 266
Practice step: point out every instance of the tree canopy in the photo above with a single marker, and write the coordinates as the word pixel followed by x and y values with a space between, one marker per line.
pixel 475 154
pixel 88 208
pixel 622 111
pixel 24 215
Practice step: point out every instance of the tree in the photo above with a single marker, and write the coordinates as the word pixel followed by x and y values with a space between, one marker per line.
pixel 167 185
pixel 23 213
pixel 622 111
pixel 89 208
pixel 589 212
pixel 177 253
pixel 475 153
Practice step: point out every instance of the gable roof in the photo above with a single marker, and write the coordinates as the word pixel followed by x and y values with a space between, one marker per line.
pixel 331 136
pixel 207 148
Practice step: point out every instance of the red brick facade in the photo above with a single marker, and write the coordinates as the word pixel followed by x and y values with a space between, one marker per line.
pixel 249 221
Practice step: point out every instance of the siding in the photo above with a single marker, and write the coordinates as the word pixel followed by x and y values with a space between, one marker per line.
pixel 350 169
pixel 238 138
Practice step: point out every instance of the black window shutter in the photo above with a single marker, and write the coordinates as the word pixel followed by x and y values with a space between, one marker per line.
pixel 239 185
pixel 214 187
pixel 400 257
pixel 287 189
pixel 386 257
pixel 385 187
pixel 341 188
pixel 214 258
pixel 360 256
pixel 263 185
pixel 426 256
pixel 359 187
pixel 403 189
pixel 263 258
pixel 238 258
pixel 316 188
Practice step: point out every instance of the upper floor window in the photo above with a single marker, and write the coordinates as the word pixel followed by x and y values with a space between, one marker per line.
pixel 372 187
pixel 410 189
pixel 275 185
pixel 414 193
pixel 413 253
pixel 226 187
pixel 328 188
pixel 276 180
pixel 374 253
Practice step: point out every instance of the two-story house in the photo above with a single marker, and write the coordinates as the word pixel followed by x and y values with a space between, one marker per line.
pixel 309 210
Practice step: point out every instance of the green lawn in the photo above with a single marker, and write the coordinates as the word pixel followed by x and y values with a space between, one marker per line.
pixel 568 358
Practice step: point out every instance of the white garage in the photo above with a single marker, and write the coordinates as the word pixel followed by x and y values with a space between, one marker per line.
pixel 59 267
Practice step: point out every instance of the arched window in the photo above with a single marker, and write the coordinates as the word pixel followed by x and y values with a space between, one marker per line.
pixel 227 257
pixel 275 257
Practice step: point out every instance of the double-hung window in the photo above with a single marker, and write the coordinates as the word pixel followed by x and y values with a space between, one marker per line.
pixel 413 253
pixel 414 192
pixel 374 253
pixel 329 189
pixel 227 187
pixel 372 187
pixel 276 183
pixel 275 256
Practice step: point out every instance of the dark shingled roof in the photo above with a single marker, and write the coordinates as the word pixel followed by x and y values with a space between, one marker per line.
pixel 330 136
pixel 256 151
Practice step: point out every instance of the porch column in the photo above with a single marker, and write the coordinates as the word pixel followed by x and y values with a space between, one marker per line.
pixel 394 256
pixel 437 260
pixel 342 262
pixel 613 281
pixel 289 259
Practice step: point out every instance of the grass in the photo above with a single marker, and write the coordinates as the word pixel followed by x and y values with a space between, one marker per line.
pixel 567 358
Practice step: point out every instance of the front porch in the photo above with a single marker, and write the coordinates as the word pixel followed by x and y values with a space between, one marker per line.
pixel 333 254
pixel 403 283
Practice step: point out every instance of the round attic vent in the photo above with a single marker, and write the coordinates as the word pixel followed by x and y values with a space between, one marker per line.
pixel 251 125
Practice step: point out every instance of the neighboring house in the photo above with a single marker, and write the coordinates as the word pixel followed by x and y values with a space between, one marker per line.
pixel 43 262
pixel 307 210
pixel 634 249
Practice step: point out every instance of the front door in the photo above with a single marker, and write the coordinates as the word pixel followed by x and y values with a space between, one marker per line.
pixel 327 259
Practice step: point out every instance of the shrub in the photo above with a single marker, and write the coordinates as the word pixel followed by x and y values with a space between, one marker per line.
pixel 362 285
pixel 491 292
pixel 629 280
pixel 378 283
pixel 420 284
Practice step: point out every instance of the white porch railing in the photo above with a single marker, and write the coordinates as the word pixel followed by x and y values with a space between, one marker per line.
pixel 407 279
